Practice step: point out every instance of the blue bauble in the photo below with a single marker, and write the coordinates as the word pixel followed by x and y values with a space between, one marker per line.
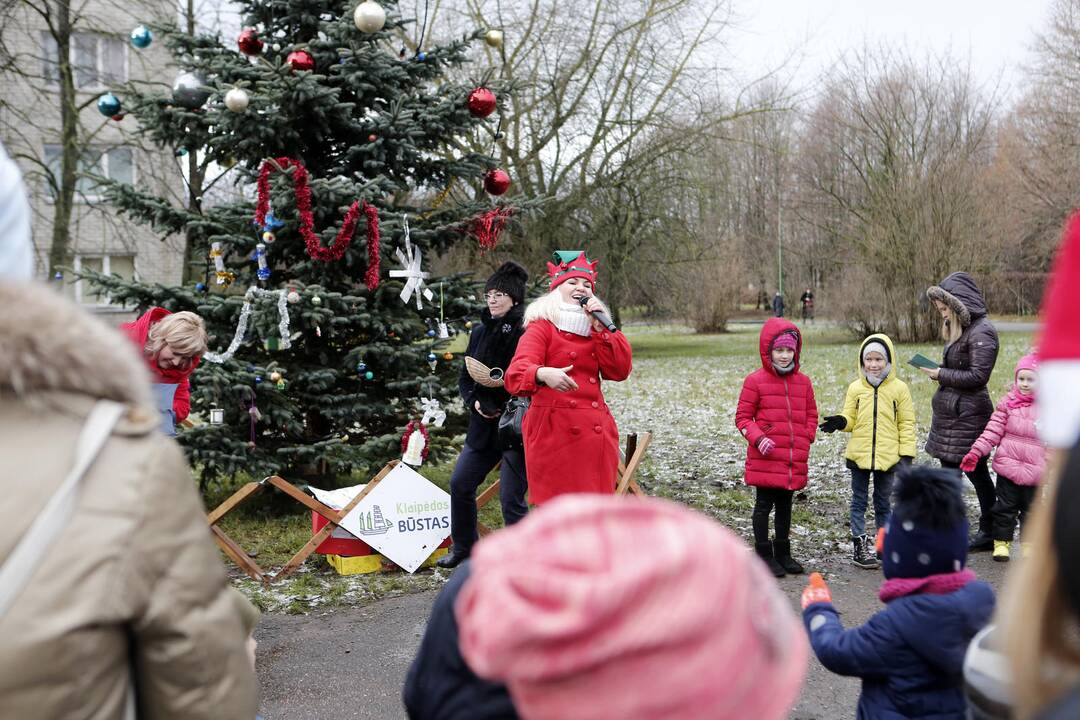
pixel 421 56
pixel 258 379
pixel 361 367
pixel 263 273
pixel 431 333
pixel 141 37
pixel 431 357
pixel 200 287
pixel 108 105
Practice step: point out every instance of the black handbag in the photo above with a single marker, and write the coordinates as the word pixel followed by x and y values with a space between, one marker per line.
pixel 510 422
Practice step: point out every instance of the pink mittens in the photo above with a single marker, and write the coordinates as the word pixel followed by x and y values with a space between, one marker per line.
pixel 765 446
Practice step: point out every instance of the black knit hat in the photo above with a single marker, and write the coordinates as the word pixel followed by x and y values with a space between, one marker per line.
pixel 510 278
pixel 1066 529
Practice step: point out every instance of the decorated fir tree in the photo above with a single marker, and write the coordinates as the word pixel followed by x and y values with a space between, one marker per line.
pixel 352 147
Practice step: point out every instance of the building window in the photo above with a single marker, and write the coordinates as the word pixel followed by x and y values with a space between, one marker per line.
pixel 96 60
pixel 116 163
pixel 82 291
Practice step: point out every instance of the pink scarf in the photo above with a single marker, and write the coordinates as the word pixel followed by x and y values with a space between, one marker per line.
pixel 1016 399
pixel 942 584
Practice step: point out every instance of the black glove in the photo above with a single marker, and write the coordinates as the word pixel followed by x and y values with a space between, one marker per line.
pixel 833 423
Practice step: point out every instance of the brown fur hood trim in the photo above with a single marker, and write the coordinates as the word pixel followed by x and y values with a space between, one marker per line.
pixel 47 343
pixel 935 292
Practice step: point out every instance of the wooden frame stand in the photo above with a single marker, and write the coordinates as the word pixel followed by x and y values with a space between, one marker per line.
pixel 333 518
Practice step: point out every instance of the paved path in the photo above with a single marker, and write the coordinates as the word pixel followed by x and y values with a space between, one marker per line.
pixel 350 663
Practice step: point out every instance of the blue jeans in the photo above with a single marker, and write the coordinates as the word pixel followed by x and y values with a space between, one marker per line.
pixel 472 467
pixel 860 485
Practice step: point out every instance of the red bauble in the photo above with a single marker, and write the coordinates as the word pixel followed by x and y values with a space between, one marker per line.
pixel 300 60
pixel 118 117
pixel 249 42
pixel 481 102
pixel 496 181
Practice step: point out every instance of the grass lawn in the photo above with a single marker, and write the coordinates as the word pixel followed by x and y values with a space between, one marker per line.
pixel 684 390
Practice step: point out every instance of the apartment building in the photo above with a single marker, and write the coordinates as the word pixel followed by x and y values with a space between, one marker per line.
pixel 30 127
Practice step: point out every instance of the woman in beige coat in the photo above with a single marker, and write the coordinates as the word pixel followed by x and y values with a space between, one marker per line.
pixel 133 586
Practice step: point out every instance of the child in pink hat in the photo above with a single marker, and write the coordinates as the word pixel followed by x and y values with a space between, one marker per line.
pixel 597 607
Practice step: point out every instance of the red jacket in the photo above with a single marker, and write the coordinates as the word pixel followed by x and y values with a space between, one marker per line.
pixel 782 408
pixel 137 331
pixel 571 441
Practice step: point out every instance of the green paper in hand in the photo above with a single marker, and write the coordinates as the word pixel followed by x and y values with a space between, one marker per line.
pixel 921 361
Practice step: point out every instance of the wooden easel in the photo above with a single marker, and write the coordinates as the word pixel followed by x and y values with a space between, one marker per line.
pixel 333 518
pixel 628 464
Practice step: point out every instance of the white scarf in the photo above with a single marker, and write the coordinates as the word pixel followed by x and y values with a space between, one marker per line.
pixel 572 318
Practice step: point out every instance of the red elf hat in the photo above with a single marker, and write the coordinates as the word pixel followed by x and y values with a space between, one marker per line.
pixel 570 264
pixel 1058 390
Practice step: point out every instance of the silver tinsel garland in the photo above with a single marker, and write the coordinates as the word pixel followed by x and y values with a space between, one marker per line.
pixel 242 323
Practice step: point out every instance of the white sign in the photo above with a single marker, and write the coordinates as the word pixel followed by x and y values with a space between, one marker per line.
pixel 405 517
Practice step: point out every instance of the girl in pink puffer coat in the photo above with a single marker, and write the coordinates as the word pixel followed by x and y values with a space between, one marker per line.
pixel 1020 457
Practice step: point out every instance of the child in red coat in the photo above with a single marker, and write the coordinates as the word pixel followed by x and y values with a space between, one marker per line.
pixel 778 417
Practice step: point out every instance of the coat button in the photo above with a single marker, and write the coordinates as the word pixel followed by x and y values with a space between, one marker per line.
pixel 595 404
pixel 573 403
pixel 597 428
pixel 592 380
pixel 575 430
pixel 573 354
pixel 593 355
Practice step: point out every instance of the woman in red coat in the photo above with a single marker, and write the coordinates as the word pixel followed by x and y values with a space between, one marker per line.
pixel 778 417
pixel 571 442
pixel 171 344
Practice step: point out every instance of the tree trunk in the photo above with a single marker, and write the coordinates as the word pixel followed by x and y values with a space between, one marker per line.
pixel 69 142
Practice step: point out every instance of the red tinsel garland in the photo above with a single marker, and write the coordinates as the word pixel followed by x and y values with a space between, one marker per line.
pixel 415 425
pixel 487 227
pixel 315 248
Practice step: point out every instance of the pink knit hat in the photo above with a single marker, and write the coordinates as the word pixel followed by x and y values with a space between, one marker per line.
pixel 599 606
pixel 786 340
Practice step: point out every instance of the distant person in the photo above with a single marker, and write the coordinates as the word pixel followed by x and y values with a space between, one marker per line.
pixel 172 345
pixel 880 415
pixel 778 305
pixel 778 417
pixel 602 607
pixel 807 301
pixel 492 342
pixel 910 655
pixel 127 589
pixel 1020 458
pixel 571 440
pixel 962 404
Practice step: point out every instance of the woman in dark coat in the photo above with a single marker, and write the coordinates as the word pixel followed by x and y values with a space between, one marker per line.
pixel 962 404
pixel 493 342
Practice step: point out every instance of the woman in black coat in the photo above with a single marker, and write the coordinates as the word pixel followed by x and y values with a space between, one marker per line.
pixel 492 343
pixel 962 404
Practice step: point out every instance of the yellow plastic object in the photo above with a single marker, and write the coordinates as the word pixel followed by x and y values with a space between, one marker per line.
pixel 363 564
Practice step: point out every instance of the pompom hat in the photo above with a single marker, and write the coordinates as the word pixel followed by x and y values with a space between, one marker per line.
pixel 599 606
pixel 511 279
pixel 1058 392
pixel 566 264
pixel 927 532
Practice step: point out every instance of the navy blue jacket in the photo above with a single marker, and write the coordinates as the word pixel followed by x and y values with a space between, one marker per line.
pixel 440 686
pixel 910 655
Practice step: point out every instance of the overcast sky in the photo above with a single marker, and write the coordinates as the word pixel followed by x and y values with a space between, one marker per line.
pixel 810 34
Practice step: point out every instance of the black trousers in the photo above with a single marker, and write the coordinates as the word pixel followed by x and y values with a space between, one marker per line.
pixel 766 500
pixel 1013 501
pixel 472 467
pixel 984 489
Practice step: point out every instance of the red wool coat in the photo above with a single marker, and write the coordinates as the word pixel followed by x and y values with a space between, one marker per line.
pixel 137 331
pixel 571 441
pixel 782 408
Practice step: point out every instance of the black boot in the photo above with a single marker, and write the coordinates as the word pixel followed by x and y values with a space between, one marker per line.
pixel 451 559
pixel 861 554
pixel 765 552
pixel 782 551
pixel 982 542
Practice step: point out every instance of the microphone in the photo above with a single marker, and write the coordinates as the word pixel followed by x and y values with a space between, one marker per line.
pixel 599 315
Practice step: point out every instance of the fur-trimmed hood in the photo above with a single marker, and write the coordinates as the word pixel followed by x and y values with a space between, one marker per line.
pixel 49 344
pixel 962 295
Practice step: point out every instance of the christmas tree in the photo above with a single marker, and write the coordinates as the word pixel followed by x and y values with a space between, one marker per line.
pixel 360 158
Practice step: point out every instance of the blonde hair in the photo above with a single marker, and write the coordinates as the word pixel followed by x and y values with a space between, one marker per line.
pixel 546 307
pixel 184 332
pixel 1042 632
pixel 951 329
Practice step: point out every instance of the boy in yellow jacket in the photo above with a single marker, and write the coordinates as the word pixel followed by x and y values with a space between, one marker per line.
pixel 880 416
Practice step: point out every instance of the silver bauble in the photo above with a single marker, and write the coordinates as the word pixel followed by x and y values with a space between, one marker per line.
pixel 237 100
pixel 494 38
pixel 369 17
pixel 189 90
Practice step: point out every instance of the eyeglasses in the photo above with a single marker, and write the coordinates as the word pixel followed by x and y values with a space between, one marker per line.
pixel 495 296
